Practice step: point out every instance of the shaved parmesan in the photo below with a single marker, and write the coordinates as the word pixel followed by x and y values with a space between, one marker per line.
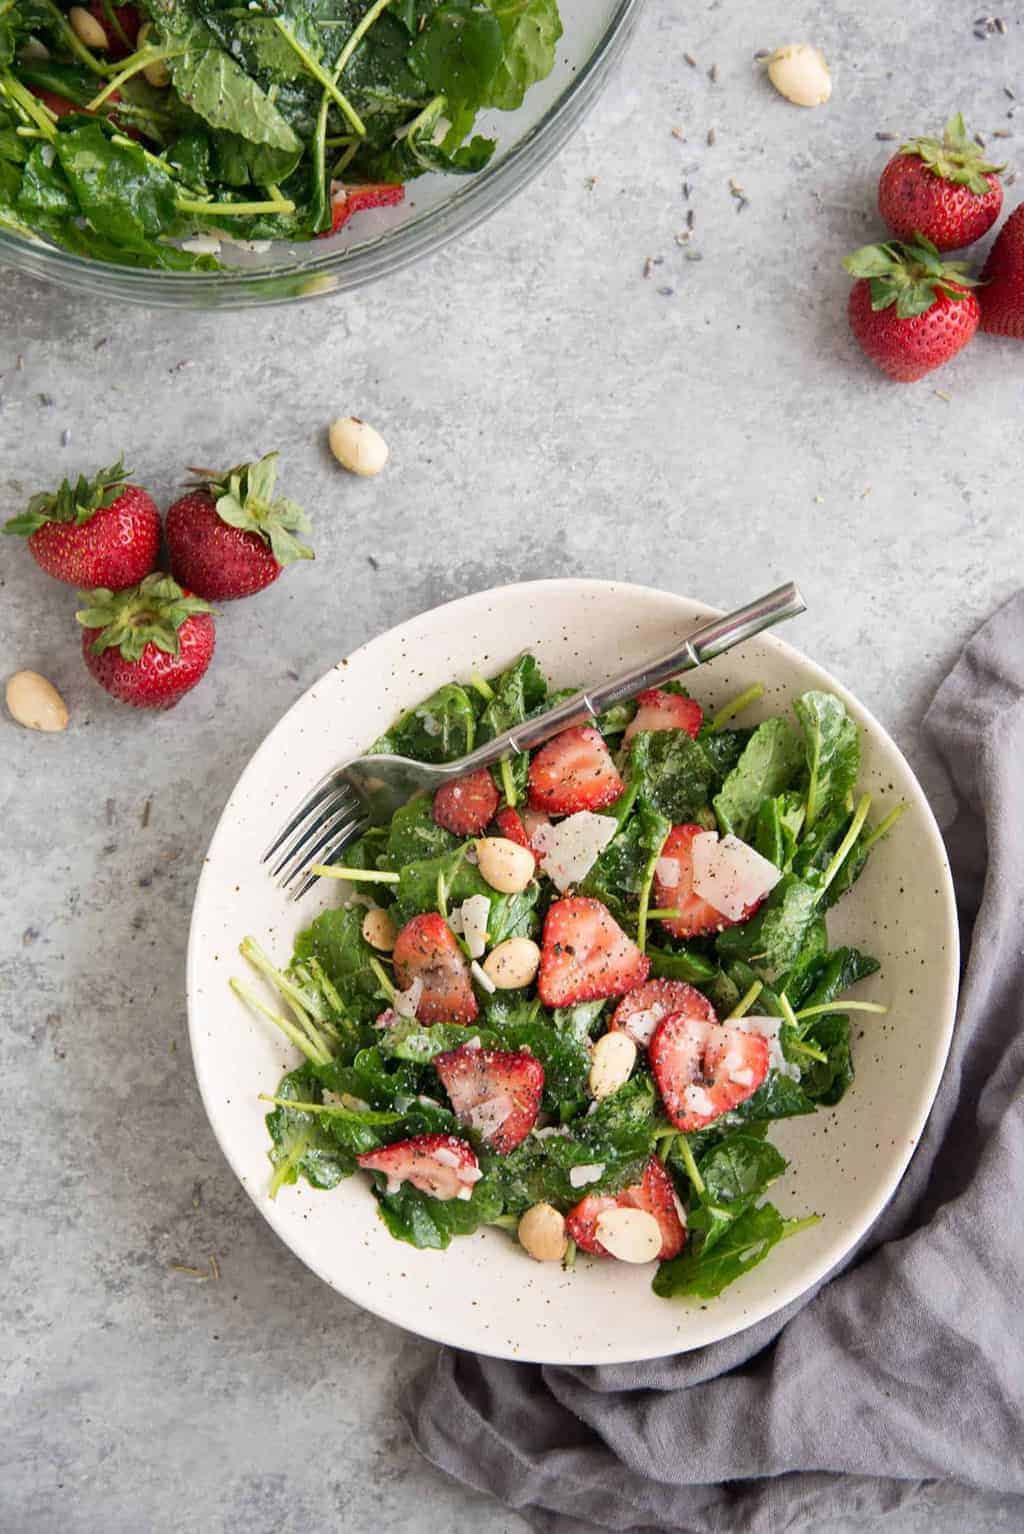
pixel 406 1002
pixel 642 1024
pixel 729 875
pixel 482 978
pixel 666 871
pixel 447 1157
pixel 475 912
pixel 488 1117
pixel 697 1101
pixel 580 1176
pixel 768 1028
pixel 569 850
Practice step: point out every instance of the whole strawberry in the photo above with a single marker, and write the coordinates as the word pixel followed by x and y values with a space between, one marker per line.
pixel 97 532
pixel 910 311
pixel 1002 297
pixel 228 537
pixel 947 192
pixel 148 645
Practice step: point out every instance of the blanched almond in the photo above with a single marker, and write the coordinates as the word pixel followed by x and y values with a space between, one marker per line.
pixel 542 1233
pixel 87 29
pixel 35 703
pixel 514 963
pixel 611 1064
pixel 379 929
pixel 507 867
pixel 799 72
pixel 631 1235
pixel 357 446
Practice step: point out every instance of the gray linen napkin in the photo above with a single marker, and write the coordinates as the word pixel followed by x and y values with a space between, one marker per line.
pixel 909 1364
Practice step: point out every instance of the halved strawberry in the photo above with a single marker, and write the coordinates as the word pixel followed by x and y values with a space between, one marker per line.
pixel 497 1092
pixel 348 200
pixel 639 1013
pixel 509 822
pixel 465 805
pixel 441 1165
pixel 665 711
pixel 673 888
pixel 655 1194
pixel 586 955
pixel 574 771
pixel 702 1069
pixel 426 950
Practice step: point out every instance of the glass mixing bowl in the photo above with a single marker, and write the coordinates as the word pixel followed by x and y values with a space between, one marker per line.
pixel 436 209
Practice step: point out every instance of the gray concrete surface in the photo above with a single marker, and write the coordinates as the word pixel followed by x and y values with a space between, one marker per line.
pixel 550 410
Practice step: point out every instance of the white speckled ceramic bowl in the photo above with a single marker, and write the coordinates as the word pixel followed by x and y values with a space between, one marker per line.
pixel 483 1293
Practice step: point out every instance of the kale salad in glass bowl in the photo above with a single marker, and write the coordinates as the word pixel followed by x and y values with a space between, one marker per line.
pixel 643 1007
pixel 279 148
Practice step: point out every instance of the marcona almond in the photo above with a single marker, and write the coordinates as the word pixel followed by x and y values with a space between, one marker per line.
pixel 507 867
pixel 799 72
pixel 357 446
pixel 87 29
pixel 631 1235
pixel 379 929
pixel 514 963
pixel 611 1064
pixel 542 1233
pixel 157 73
pixel 35 702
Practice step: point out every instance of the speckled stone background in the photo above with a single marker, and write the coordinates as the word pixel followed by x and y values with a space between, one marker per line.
pixel 550 410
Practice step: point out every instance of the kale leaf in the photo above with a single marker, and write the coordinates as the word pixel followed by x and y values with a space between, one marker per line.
pixel 771 760
pixel 440 730
pixel 832 747
pixel 672 772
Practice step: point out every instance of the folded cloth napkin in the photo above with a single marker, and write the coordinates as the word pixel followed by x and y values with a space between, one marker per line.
pixel 909 1364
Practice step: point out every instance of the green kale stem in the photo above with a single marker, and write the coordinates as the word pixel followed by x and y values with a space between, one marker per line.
pixel 786 1008
pixel 297 1037
pixel 320 75
pixel 808 1049
pixel 296 998
pixel 29 106
pixel 884 827
pixel 234 209
pixel 133 65
pixel 342 164
pixel 691 1166
pixel 667 913
pixel 354 875
pixel 387 984
pixel 114 21
pixel 794 1227
pixel 860 814
pixel 746 1001
pixel 841 1006
pixel 483 687
pixel 508 783
pixel 736 706
pixel 283 1170
pixel 377 9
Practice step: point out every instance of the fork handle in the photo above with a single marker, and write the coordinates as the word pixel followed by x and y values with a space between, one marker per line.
pixel 709 640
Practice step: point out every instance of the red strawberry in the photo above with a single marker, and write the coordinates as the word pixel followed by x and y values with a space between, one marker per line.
pixel 702 1068
pixel 122 32
pixel 586 955
pixel 510 824
pixel 1002 299
pixel 494 1091
pixel 228 537
pixel 442 1166
pixel 675 891
pixel 97 532
pixel 426 950
pixel 147 645
pixel 466 805
pixel 639 1013
pixel 910 311
pixel 947 192
pixel 655 1194
pixel 574 771
pixel 665 711
pixel 349 200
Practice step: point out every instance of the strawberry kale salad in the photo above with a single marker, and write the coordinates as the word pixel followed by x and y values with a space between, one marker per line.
pixel 571 996
pixel 124 128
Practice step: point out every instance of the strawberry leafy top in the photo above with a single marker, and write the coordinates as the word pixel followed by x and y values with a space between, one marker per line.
pixel 912 276
pixel 957 158
pixel 75 503
pixel 244 497
pixel 129 620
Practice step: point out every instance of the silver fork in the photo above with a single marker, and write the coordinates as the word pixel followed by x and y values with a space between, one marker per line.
pixel 368 791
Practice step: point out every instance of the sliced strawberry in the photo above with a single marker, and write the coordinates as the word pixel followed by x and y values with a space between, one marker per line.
pixel 665 711
pixel 574 771
pixel 703 1069
pixel 510 824
pixel 586 955
pixel 426 950
pixel 349 200
pixel 673 888
pixel 639 1013
pixel 441 1165
pixel 497 1092
pixel 654 1194
pixel 466 805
